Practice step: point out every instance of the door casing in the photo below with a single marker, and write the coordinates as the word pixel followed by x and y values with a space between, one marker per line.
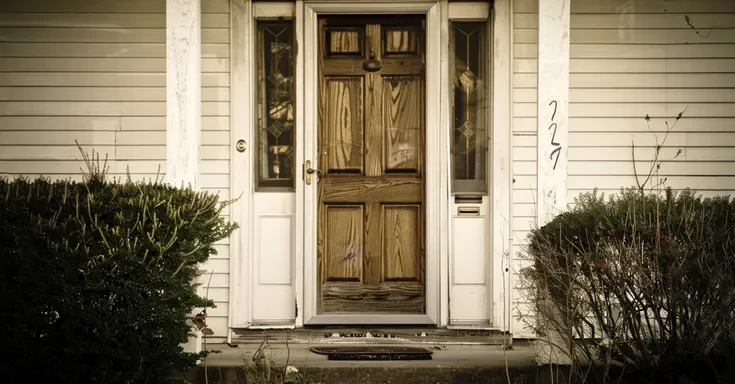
pixel 436 163
pixel 243 248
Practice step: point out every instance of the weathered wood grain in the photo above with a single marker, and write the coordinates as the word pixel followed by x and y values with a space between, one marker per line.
pixel 375 189
pixel 402 121
pixel 400 297
pixel 344 124
pixel 344 40
pixel 399 40
pixel 402 242
pixel 344 247
pixel 395 66
pixel 371 132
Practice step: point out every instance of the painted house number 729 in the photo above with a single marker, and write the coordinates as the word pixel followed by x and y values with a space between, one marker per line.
pixel 557 150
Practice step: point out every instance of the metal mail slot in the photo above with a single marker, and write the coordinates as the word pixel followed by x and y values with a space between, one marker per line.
pixel 468 211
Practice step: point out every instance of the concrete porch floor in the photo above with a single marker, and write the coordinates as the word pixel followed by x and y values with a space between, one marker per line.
pixel 449 364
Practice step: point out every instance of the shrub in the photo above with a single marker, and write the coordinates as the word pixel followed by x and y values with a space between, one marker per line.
pixel 642 281
pixel 98 278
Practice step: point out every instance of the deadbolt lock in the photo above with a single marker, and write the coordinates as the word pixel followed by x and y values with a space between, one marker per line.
pixel 240 146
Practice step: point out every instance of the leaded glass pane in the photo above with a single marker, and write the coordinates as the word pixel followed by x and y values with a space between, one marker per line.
pixel 469 135
pixel 275 104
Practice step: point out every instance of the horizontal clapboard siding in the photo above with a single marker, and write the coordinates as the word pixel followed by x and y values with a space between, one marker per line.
pixel 95 72
pixel 629 60
pixel 524 163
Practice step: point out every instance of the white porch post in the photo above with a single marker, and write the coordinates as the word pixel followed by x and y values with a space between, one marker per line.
pixel 553 118
pixel 553 107
pixel 183 91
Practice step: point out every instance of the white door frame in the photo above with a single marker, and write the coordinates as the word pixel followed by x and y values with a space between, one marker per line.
pixel 437 158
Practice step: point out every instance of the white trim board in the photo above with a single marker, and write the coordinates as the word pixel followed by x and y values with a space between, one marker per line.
pixel 436 158
pixel 241 169
pixel 553 107
pixel 183 91
pixel 501 162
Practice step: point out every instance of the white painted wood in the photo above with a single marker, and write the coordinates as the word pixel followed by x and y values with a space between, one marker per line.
pixel 275 241
pixel 306 197
pixel 241 176
pixel 273 286
pixel 264 303
pixel 380 7
pixel 437 158
pixel 553 107
pixel 470 260
pixel 300 197
pixel 471 268
pixel 470 11
pixel 183 91
pixel 470 306
pixel 275 10
pixel 501 162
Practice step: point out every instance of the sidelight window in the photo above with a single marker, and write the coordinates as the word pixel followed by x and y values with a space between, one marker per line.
pixel 469 109
pixel 275 104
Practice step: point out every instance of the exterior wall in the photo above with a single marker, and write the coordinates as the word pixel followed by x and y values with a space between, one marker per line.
pixel 524 167
pixel 94 71
pixel 630 59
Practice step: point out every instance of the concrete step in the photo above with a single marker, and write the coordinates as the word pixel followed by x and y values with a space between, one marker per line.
pixel 468 364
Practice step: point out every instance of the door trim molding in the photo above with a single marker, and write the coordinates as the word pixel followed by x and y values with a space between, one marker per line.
pixel 437 160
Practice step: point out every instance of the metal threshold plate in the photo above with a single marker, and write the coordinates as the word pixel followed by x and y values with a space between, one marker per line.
pixel 373 352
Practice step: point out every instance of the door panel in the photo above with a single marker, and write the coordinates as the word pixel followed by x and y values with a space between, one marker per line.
pixel 370 241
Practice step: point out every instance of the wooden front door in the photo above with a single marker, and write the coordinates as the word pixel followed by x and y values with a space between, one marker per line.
pixel 371 156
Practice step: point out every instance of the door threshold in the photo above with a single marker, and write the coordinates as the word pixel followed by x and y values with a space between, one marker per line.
pixel 371 335
pixel 370 320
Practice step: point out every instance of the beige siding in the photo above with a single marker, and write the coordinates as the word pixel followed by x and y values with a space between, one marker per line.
pixel 523 155
pixel 95 72
pixel 630 59
pixel 215 165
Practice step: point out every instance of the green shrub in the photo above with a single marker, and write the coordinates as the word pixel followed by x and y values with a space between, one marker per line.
pixel 648 280
pixel 98 278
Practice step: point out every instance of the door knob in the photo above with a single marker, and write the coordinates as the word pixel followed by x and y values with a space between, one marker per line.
pixel 312 170
pixel 308 170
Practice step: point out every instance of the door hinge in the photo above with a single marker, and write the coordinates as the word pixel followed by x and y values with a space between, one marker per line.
pixel 296 308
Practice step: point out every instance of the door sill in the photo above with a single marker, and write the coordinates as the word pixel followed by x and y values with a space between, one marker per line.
pixel 365 319
pixel 371 335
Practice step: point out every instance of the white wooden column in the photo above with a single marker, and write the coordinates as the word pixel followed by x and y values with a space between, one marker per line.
pixel 183 91
pixel 553 107
pixel 553 118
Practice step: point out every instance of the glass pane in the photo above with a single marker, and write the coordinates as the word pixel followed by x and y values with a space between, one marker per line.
pixel 469 136
pixel 275 104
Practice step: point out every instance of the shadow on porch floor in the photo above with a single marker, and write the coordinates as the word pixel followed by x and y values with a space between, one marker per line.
pixel 449 364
